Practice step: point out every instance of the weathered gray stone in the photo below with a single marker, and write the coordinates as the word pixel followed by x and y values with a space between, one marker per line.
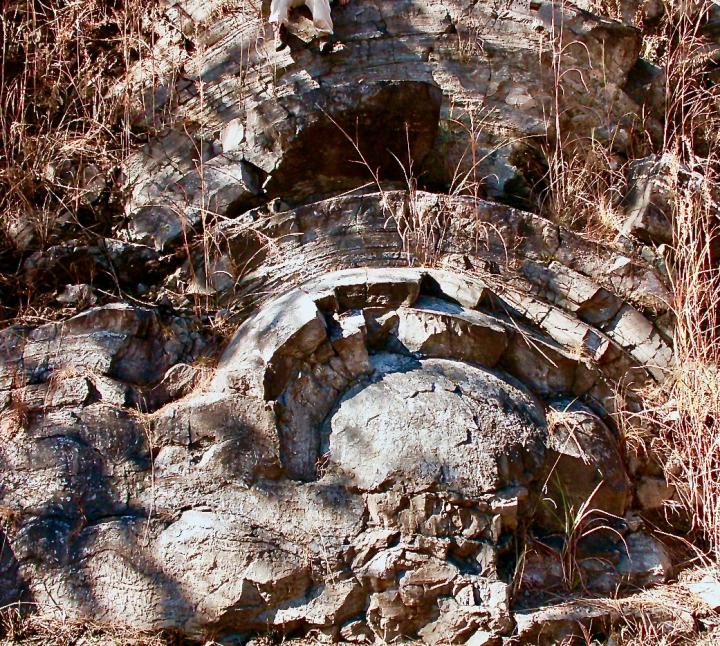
pixel 329 605
pixel 219 187
pixel 291 328
pixel 200 541
pixel 573 291
pixel 381 323
pixel 554 624
pixel 356 632
pixel 447 408
pixel 357 288
pixel 708 590
pixel 648 203
pixel 464 290
pixel 541 570
pixel 177 382
pixel 484 638
pixel 307 408
pixel 646 560
pixel 632 329
pixel 389 79
pixel 80 295
pixel 436 328
pixel 350 344
pixel 653 492
pixel 542 364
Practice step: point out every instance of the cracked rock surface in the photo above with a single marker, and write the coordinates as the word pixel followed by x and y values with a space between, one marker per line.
pixel 417 386
pixel 434 422
pixel 361 463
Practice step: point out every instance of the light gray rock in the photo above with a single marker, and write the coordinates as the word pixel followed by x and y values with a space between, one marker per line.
pixel 708 590
pixel 222 186
pixel 554 624
pixel 437 328
pixel 408 82
pixel 648 203
pixel 320 479
pixel 292 327
pixel 80 295
pixel 631 328
pixel 464 290
pixel 367 287
pixel 329 605
pixel 244 426
pixel 540 362
pixel 646 560
pixel 356 632
pixel 202 549
pixel 573 291
pixel 432 422
pixel 483 638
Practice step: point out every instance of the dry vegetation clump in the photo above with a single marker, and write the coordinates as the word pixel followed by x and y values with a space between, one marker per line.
pixel 583 191
pixel 18 627
pixel 63 131
pixel 586 175
pixel 585 183
pixel 687 407
pixel 662 616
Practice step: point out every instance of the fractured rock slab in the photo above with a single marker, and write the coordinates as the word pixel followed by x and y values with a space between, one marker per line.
pixel 434 422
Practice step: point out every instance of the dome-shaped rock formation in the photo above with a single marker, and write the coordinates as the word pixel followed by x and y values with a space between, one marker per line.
pixel 418 381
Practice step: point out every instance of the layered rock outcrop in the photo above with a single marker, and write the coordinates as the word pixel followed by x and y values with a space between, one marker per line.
pixel 459 90
pixel 420 388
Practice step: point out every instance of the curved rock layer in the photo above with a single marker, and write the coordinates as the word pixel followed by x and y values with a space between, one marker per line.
pixel 454 92
pixel 423 390
pixel 368 458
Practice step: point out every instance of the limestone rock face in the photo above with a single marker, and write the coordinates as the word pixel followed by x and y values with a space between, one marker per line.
pixel 409 373
pixel 434 422
pixel 366 451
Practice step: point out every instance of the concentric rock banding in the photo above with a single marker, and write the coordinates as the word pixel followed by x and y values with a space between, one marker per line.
pixel 249 503
pixel 257 498
pixel 325 339
pixel 466 88
pixel 572 289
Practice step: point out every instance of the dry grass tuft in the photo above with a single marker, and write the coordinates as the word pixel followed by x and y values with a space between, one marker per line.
pixel 686 408
pixel 63 131
pixel 585 180
pixel 18 627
